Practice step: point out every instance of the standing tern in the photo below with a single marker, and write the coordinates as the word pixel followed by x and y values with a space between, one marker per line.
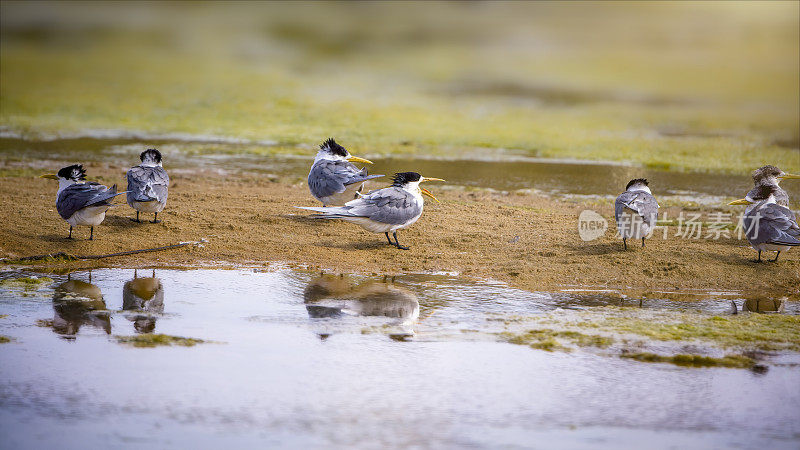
pixel 384 210
pixel 334 179
pixel 768 226
pixel 771 175
pixel 79 202
pixel 636 211
pixel 148 185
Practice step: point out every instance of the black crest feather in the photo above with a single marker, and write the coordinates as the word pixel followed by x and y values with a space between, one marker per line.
pixel 74 172
pixel 401 178
pixel 333 147
pixel 151 153
pixel 637 181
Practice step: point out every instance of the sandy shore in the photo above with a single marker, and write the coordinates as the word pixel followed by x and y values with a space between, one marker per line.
pixel 528 241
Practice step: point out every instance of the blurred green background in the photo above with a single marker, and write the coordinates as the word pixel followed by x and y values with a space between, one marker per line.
pixel 708 86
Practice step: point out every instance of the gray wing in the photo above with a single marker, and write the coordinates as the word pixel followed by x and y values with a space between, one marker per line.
pixel 79 196
pixel 147 184
pixel 640 202
pixel 773 224
pixel 332 177
pixel 391 205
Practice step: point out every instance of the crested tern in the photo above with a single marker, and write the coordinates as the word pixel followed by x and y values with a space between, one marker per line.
pixel 636 211
pixel 768 225
pixel 383 210
pixel 334 179
pixel 771 175
pixel 81 203
pixel 148 185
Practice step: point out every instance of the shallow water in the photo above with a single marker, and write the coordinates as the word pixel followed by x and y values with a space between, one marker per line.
pixel 502 171
pixel 297 359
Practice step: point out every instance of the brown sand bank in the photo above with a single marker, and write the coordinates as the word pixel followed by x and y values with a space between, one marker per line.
pixel 528 241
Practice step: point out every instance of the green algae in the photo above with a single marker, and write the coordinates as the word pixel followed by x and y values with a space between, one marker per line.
pixel 765 332
pixel 5 339
pixel 157 340
pixel 550 340
pixel 687 360
pixel 25 283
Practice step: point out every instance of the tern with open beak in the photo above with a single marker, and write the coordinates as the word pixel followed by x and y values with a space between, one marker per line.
pixel 79 202
pixel 636 211
pixel 148 185
pixel 384 210
pixel 767 225
pixel 334 179
pixel 771 175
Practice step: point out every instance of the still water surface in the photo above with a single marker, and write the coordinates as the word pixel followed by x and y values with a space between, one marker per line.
pixel 302 360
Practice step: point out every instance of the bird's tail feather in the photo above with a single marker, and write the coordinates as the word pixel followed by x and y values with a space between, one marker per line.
pixel 327 212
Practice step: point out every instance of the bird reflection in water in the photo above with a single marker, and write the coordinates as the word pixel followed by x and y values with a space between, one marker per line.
pixel 764 305
pixel 144 296
pixel 329 296
pixel 77 303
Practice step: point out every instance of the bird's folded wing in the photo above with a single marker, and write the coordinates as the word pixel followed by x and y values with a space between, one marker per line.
pixel 78 196
pixel 148 183
pixel 768 232
pixel 392 205
pixel 780 217
pixel 332 177
pixel 640 203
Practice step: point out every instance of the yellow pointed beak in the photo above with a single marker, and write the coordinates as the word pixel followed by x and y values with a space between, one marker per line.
pixel 742 201
pixel 790 176
pixel 357 159
pixel 50 176
pixel 429 179
pixel 428 193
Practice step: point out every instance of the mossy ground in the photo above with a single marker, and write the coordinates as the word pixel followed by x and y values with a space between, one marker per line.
pixel 158 340
pixel 630 332
pixel 548 339
pixel 26 283
pixel 761 331
pixel 666 85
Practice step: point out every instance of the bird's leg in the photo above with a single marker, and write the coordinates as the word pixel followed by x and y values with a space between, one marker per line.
pixel 390 239
pixel 625 243
pixel 759 256
pixel 70 232
pixel 397 243
pixel 137 218
pixel 642 242
pixel 91 233
pixel 155 220
pixel 776 256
